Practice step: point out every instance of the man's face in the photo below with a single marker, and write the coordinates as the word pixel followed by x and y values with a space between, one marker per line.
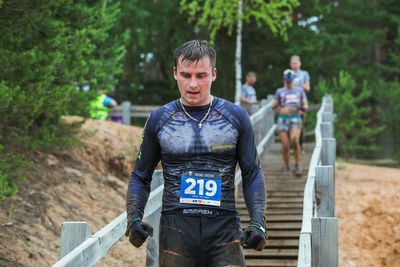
pixel 251 79
pixel 288 84
pixel 194 81
pixel 295 64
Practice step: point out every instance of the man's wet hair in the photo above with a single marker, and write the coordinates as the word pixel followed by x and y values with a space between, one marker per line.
pixel 193 51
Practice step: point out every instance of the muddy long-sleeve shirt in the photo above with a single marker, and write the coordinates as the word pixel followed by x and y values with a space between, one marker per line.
pixel 198 161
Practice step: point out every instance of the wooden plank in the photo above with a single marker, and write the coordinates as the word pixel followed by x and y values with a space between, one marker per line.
pixel 276 218
pixel 327 116
pixel 324 242
pixel 284 199
pixel 94 248
pixel 284 205
pixel 283 211
pixel 304 259
pixel 286 194
pixel 90 251
pixel 250 253
pixel 308 205
pixel 275 205
pixel 282 243
pixel 126 113
pixel 72 235
pixel 271 263
pixel 324 191
pixel 152 244
pixel 138 114
pixel 283 226
pixel 326 130
pixel 143 108
pixel 280 234
pixel 328 153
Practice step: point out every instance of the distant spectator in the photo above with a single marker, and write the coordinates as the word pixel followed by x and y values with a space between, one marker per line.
pixel 301 77
pixel 249 98
pixel 302 81
pixel 99 107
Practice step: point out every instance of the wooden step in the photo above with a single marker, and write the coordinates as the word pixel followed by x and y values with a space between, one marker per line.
pixel 283 243
pixel 271 263
pixel 274 205
pixel 284 200
pixel 294 211
pixel 284 194
pixel 284 205
pixel 277 218
pixel 277 200
pixel 280 225
pixel 250 253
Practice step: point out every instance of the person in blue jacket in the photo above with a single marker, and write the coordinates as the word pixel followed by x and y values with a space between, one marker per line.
pixel 199 139
pixel 301 81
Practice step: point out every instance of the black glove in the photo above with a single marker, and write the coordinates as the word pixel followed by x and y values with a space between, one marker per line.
pixel 138 232
pixel 255 237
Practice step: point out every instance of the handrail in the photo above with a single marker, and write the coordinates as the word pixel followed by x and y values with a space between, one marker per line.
pixel 96 246
pixel 308 201
pixel 305 240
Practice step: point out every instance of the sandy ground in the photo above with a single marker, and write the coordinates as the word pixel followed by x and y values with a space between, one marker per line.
pixel 85 183
pixel 368 211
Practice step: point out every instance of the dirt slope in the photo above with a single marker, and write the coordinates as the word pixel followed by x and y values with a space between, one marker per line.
pixel 85 183
pixel 368 209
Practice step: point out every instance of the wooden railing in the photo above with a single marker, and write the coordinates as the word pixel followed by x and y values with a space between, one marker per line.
pixel 318 244
pixel 78 248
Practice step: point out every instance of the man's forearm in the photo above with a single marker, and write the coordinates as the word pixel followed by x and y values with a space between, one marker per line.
pixel 254 196
pixel 136 199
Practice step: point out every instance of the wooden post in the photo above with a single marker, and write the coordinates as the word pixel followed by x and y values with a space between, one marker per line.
pixel 126 113
pixel 152 243
pixel 328 153
pixel 327 117
pixel 326 130
pixel 324 191
pixel 72 235
pixel 324 242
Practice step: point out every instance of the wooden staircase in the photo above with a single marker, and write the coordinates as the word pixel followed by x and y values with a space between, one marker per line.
pixel 283 210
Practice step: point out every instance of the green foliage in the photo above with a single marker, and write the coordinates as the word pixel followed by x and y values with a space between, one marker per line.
pixel 9 175
pixel 353 133
pixel 47 49
pixel 224 13
pixel 147 77
pixel 390 114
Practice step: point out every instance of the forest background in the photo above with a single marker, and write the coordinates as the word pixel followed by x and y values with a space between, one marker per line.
pixel 50 51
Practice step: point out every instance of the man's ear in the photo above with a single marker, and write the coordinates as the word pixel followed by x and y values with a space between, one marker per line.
pixel 175 74
pixel 214 74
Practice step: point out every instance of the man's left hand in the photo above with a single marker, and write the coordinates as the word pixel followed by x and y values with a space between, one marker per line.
pixel 254 237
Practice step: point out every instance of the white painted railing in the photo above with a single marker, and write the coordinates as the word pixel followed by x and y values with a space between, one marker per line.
pixel 85 250
pixel 318 244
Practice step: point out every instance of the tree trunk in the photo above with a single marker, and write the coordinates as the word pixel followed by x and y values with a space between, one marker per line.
pixel 238 54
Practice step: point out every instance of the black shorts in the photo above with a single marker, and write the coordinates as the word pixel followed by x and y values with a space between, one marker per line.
pixel 200 240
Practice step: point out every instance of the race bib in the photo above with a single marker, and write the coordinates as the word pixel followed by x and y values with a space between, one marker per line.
pixel 200 187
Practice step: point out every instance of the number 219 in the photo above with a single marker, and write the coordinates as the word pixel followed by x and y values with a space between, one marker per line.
pixel 211 187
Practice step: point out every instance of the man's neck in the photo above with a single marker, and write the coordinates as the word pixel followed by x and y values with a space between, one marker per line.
pixel 211 99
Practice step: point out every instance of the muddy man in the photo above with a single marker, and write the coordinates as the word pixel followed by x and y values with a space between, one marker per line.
pixel 199 139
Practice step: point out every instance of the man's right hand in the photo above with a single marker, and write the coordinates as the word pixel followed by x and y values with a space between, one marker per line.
pixel 138 232
pixel 255 237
